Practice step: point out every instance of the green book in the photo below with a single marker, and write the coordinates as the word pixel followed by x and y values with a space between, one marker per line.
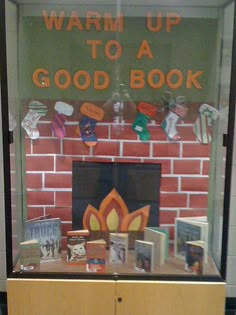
pixel 29 255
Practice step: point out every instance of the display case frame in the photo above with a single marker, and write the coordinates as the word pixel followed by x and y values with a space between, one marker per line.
pixel 7 138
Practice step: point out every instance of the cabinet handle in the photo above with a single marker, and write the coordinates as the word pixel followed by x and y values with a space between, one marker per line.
pixel 119 299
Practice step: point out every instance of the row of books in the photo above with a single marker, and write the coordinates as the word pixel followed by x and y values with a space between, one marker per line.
pixel 151 251
pixel 43 243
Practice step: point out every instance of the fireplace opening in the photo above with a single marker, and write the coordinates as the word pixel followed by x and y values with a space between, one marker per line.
pixel 125 187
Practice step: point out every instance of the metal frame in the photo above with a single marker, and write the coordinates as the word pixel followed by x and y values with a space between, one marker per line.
pixel 7 182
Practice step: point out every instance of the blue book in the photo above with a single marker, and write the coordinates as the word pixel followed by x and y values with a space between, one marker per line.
pixel 48 233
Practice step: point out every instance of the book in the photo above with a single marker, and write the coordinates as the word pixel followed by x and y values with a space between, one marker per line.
pixel 96 256
pixel 29 255
pixel 144 256
pixel 194 257
pixel 167 234
pixel 76 246
pixel 160 240
pixel 189 229
pixel 48 233
pixel 118 251
pixel 41 217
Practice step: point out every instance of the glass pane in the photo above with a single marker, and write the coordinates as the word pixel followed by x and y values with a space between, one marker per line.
pixel 17 194
pixel 120 111
pixel 219 163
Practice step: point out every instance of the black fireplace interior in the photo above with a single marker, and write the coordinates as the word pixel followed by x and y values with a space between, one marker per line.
pixel 137 183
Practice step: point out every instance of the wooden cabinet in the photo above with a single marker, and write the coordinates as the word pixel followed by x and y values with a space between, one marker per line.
pixel 90 297
pixel 170 298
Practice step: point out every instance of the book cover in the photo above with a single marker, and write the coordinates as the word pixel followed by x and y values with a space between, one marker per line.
pixel 76 246
pixel 96 256
pixel 144 256
pixel 48 233
pixel 189 229
pixel 118 251
pixel 30 255
pixel 194 257
pixel 159 240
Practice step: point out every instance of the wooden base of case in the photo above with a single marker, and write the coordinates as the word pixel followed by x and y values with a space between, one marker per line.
pixel 47 297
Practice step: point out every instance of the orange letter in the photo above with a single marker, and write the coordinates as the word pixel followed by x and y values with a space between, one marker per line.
pixel 180 79
pixel 113 26
pixel 49 22
pixel 118 52
pixel 104 76
pixel 74 21
pixel 136 79
pixel 144 50
pixel 171 19
pixel 94 44
pixel 161 76
pixel 67 82
pixel 86 83
pixel 96 19
pixel 191 79
pixel 158 26
pixel 41 82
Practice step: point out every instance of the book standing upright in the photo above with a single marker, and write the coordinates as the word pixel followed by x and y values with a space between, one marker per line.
pixel 118 253
pixel 48 233
pixel 76 246
pixel 144 256
pixel 96 256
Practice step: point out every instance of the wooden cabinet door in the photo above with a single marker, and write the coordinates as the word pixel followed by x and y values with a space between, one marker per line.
pixel 169 298
pixel 60 297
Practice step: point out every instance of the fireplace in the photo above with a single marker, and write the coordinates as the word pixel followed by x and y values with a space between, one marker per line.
pixel 137 185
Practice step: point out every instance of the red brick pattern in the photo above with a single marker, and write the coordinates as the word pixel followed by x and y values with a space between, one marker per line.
pixel 197 184
pixel 184 164
pixel 58 181
pixel 136 149
pixel 166 149
pixel 34 181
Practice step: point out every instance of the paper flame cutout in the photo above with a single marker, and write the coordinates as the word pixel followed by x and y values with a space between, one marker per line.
pixel 113 215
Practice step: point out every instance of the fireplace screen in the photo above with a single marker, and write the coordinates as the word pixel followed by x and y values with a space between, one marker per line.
pixel 110 193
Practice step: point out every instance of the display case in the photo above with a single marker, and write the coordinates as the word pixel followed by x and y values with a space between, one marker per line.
pixel 118 152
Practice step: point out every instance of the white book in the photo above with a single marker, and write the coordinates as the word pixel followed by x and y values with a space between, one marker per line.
pixel 159 240
pixel 118 251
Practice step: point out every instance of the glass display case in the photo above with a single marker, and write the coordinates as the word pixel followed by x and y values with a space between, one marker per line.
pixel 117 147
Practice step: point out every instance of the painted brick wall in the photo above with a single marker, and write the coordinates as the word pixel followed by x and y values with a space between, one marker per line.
pixel 184 184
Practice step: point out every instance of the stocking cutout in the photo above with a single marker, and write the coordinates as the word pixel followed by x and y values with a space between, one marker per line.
pixel 169 126
pixel 87 126
pixel 91 114
pixel 140 126
pixel 203 124
pixel 29 123
pixel 146 111
pixel 177 110
pixel 58 124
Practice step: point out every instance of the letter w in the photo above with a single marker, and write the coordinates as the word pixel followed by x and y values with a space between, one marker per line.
pixel 53 20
